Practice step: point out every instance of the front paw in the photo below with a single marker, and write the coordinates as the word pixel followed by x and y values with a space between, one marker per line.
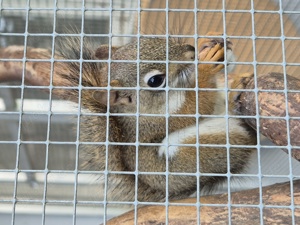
pixel 212 50
pixel 167 151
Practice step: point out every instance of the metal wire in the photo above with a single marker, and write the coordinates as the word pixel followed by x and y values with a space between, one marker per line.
pixel 119 15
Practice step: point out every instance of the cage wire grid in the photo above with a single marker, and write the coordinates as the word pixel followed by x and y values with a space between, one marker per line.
pixel 39 151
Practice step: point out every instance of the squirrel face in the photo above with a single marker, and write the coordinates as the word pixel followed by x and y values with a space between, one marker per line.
pixel 153 77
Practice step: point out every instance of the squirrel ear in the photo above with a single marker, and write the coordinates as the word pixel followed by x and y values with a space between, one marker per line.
pixel 103 51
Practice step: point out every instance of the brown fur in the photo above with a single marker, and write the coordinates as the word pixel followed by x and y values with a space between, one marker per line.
pixel 152 129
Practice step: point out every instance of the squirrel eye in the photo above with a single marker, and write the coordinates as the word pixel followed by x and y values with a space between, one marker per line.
pixel 158 80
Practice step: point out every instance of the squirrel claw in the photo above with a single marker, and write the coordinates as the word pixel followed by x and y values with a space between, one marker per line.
pixel 212 50
pixel 239 82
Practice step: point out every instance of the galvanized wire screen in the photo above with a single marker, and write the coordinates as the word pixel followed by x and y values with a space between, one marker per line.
pixel 41 178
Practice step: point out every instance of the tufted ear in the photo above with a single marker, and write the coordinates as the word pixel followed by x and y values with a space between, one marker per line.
pixel 103 51
pixel 114 98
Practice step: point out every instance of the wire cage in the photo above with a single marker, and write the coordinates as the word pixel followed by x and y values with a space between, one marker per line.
pixel 41 180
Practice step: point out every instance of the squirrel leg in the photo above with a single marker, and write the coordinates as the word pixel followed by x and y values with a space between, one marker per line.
pixel 96 157
pixel 212 159
pixel 211 54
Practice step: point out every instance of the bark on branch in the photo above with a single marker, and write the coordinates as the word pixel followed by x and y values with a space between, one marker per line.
pixel 244 210
pixel 272 103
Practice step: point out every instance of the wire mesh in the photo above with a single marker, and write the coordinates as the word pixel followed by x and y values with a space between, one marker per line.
pixel 42 181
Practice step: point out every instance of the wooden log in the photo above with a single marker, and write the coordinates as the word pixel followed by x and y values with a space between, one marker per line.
pixel 244 211
pixel 273 104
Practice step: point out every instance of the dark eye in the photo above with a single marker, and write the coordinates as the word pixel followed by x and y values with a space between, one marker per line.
pixel 157 81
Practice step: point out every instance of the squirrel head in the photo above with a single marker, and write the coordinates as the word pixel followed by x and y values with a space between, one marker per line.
pixel 146 65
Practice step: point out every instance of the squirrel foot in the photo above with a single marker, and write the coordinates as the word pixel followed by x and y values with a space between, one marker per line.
pixel 176 138
pixel 239 81
pixel 169 152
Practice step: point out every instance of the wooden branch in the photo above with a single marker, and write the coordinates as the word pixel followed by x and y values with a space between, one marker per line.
pixel 35 73
pixel 274 195
pixel 273 104
pixel 36 70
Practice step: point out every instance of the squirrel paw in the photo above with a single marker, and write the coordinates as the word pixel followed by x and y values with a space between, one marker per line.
pixel 214 53
pixel 239 82
pixel 169 152
pixel 212 50
pixel 176 139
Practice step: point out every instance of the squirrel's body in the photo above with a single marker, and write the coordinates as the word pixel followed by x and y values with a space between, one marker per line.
pixel 156 129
